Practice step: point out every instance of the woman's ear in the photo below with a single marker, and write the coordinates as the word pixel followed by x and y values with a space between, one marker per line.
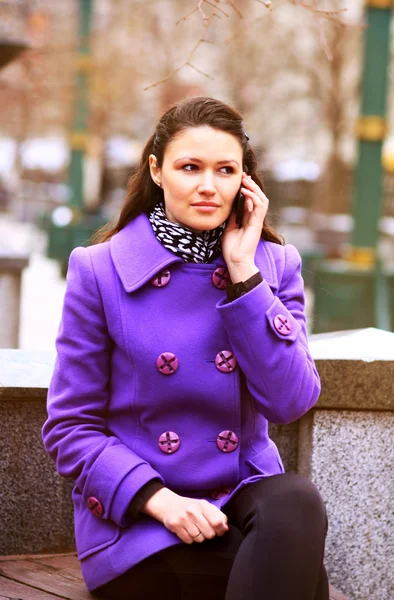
pixel 155 171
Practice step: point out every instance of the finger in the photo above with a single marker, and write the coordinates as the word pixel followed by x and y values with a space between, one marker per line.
pixel 259 210
pixel 221 528
pixel 200 538
pixel 217 519
pixel 211 521
pixel 255 212
pixel 248 182
pixel 249 205
pixel 259 199
pixel 195 534
pixel 196 523
pixel 184 535
pixel 199 535
pixel 204 526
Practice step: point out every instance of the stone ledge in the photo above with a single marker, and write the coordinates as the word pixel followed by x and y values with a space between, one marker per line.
pixel 25 373
pixel 12 263
pixel 363 358
pixel 356 368
pixel 356 385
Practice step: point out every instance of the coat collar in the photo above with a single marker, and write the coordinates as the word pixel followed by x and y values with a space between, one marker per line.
pixel 138 255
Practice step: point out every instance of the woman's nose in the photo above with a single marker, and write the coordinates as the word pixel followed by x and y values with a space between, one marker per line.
pixel 207 183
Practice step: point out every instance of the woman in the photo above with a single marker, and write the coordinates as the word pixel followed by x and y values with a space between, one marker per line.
pixel 182 336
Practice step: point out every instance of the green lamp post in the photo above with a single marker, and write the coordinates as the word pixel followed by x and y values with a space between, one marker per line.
pixel 75 227
pixel 79 136
pixel 354 292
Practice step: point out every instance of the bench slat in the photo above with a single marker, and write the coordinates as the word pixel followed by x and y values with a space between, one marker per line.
pixel 68 565
pixel 13 589
pixel 46 578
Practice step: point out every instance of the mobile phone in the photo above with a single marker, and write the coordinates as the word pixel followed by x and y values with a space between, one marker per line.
pixel 239 205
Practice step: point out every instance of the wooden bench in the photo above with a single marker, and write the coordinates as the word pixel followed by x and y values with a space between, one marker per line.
pixel 53 577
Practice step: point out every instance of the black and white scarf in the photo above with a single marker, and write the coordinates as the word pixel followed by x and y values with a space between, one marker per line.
pixel 201 247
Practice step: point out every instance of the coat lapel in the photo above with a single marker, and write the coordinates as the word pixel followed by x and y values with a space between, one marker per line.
pixel 138 256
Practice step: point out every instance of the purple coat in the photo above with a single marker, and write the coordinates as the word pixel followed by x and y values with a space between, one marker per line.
pixel 116 420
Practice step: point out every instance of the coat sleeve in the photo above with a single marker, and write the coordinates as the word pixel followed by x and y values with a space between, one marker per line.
pixel 75 434
pixel 280 372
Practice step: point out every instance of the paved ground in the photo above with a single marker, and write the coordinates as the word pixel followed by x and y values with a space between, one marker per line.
pixel 42 285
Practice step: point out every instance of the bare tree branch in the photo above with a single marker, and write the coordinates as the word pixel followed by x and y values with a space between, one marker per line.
pixel 266 3
pixel 199 71
pixel 199 7
pixel 323 39
pixel 216 6
pixel 235 8
pixel 186 16
pixel 313 8
pixel 323 14
pixel 189 58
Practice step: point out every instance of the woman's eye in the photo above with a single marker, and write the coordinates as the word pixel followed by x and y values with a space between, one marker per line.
pixel 190 167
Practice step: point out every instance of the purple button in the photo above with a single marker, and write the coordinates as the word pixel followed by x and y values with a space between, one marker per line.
pixel 169 442
pixel 225 361
pixel 95 507
pixel 221 278
pixel 220 493
pixel 227 441
pixel 167 363
pixel 161 279
pixel 282 324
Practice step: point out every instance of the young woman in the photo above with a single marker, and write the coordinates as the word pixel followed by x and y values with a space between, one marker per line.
pixel 182 336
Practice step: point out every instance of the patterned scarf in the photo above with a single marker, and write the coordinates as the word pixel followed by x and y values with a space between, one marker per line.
pixel 201 247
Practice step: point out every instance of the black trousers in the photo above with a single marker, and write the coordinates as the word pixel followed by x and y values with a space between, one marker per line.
pixel 273 551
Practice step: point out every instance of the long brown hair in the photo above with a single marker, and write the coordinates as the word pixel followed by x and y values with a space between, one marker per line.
pixel 143 194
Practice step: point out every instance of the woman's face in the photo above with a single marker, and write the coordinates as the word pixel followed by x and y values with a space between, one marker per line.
pixel 200 177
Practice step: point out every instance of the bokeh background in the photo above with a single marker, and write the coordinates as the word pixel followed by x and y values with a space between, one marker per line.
pixel 78 104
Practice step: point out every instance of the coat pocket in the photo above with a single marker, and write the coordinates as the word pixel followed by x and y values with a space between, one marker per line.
pixel 267 461
pixel 91 533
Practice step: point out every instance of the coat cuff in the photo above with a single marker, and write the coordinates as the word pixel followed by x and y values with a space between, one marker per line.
pixel 129 474
pixel 142 496
pixel 249 308
pixel 236 290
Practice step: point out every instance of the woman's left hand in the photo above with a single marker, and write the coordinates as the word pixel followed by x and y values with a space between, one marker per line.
pixel 239 245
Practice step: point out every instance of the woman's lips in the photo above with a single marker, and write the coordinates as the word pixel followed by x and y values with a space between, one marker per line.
pixel 205 207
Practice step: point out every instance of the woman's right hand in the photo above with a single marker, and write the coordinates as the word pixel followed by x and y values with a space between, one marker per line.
pixel 190 519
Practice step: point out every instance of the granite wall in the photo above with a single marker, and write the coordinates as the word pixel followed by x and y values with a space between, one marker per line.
pixel 36 512
pixel 350 457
